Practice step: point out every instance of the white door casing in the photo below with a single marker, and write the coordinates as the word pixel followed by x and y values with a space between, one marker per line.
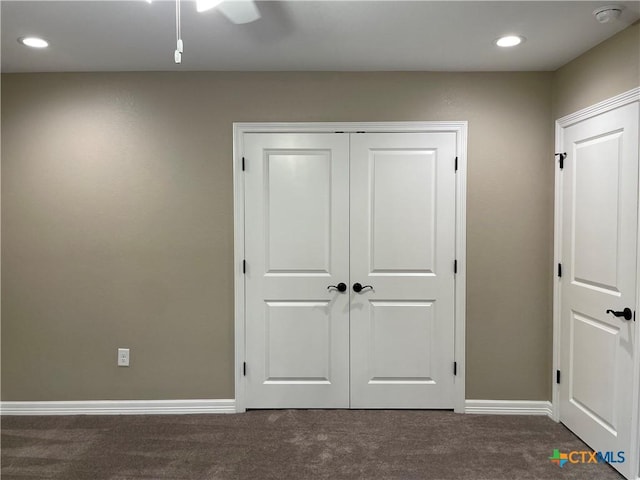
pixel 403 245
pixel 285 271
pixel 596 244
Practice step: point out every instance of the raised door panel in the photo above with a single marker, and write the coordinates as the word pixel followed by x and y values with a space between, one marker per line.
pixel 297 204
pixel 308 358
pixel 403 188
pixel 596 212
pixel 588 335
pixel 401 343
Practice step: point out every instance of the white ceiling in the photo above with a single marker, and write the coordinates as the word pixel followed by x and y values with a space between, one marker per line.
pixel 304 35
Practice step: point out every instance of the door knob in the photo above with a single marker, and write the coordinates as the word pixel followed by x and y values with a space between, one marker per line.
pixel 626 313
pixel 341 287
pixel 357 287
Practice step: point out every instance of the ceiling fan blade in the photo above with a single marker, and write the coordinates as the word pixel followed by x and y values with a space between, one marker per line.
pixel 240 11
pixel 204 5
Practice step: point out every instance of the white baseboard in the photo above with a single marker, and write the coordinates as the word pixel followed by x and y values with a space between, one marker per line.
pixel 118 407
pixel 175 407
pixel 508 407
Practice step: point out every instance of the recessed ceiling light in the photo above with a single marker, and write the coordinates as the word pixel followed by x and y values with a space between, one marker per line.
pixel 33 42
pixel 509 41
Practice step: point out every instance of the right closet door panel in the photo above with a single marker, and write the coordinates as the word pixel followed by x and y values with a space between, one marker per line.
pixel 402 252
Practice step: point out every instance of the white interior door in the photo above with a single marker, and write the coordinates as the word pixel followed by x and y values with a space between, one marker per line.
pixel 599 247
pixel 296 245
pixel 403 246
pixel 318 205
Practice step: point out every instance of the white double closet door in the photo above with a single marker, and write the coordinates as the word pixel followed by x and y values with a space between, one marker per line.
pixel 323 209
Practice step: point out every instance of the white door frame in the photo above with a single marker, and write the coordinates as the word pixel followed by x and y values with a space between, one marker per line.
pixel 562 123
pixel 459 128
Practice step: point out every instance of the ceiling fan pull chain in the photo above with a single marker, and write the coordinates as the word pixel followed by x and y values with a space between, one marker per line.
pixel 177 56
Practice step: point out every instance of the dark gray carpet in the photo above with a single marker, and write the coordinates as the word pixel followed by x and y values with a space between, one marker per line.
pixel 291 444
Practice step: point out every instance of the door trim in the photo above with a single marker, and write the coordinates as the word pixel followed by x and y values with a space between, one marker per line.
pixel 457 127
pixel 612 103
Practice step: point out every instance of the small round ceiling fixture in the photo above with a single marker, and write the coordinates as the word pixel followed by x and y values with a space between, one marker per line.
pixel 33 42
pixel 509 41
pixel 607 13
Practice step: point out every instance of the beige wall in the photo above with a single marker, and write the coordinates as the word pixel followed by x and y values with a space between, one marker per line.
pixel 611 68
pixel 117 219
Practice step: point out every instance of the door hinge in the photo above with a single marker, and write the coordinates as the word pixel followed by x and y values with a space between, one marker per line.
pixel 455 368
pixel 455 266
pixel 557 376
pixel 559 270
pixel 456 167
pixel 244 266
pixel 562 157
pixel 243 164
pixel 244 369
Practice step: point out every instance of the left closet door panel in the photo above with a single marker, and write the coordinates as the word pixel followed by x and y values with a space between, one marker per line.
pixel 297 246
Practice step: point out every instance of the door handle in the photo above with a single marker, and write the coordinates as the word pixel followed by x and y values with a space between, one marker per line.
pixel 626 313
pixel 357 287
pixel 341 287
